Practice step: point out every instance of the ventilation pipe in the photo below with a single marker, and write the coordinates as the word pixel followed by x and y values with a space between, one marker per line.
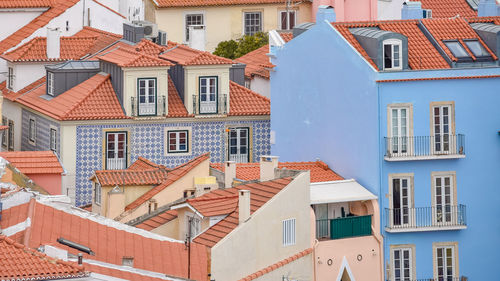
pixel 243 205
pixel 53 43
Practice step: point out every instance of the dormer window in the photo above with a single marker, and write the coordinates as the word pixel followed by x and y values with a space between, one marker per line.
pixel 50 83
pixel 208 95
pixel 147 96
pixel 427 14
pixel 392 54
pixel 477 48
pixel 457 50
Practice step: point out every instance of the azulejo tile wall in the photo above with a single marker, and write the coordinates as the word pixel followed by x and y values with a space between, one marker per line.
pixel 147 140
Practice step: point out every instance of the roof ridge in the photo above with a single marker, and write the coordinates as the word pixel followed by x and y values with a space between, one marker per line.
pixel 71 109
pixel 221 197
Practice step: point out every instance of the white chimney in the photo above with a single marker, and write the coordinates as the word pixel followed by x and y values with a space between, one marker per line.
pixel 268 164
pixel 243 205
pixel 197 37
pixel 229 173
pixel 53 43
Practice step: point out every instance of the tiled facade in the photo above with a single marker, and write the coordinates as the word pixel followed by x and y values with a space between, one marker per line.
pixel 147 140
pixel 43 126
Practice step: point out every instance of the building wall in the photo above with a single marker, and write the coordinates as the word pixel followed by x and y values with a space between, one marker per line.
pixel 103 18
pixel 43 126
pixel 170 229
pixel 257 243
pixel 49 182
pixel 222 22
pixel 261 86
pixel 12 21
pixel 390 9
pixel 13 112
pixel 350 10
pixel 26 73
pixel 296 270
pixel 67 155
pixel 192 82
pixel 148 139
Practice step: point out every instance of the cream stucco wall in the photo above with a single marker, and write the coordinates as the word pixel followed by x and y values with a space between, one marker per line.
pixel 170 229
pixel 261 86
pixel 257 243
pixel 13 112
pixel 191 82
pixel 222 22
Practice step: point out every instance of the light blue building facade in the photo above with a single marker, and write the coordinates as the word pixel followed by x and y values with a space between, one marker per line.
pixel 423 139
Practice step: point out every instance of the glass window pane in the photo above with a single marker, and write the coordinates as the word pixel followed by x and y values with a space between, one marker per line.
pixel 457 49
pixel 477 48
pixel 387 56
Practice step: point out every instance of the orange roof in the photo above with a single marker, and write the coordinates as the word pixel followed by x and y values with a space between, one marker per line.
pixel 18 262
pixel 448 8
pixel 90 100
pixel 243 101
pixel 123 274
pixel 158 220
pixel 320 172
pixel 128 58
pixel 58 7
pixel 34 162
pixel 4 4
pixel 131 177
pixel 111 241
pixel 277 265
pixel 260 193
pixel 198 3
pixel 144 164
pixel 493 20
pixel 176 107
pixel 10 95
pixel 185 55
pixel 172 176
pixel 209 206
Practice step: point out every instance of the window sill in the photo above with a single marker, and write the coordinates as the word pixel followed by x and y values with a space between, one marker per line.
pixel 424 229
pixel 426 157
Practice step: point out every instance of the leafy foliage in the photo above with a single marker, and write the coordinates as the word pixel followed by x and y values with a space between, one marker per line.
pixel 234 49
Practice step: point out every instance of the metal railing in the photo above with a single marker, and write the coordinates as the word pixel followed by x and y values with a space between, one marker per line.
pixel 344 227
pixel 152 109
pixel 238 158
pixel 426 217
pixel 417 146
pixel 116 163
pixel 461 278
pixel 213 107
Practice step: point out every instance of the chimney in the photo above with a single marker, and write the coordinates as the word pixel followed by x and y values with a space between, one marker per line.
pixel 53 43
pixel 412 10
pixel 204 185
pixel 197 37
pixel 268 164
pixel 488 8
pixel 325 13
pixel 243 205
pixel 229 173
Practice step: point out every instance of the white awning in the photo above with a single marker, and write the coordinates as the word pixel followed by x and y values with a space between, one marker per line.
pixel 339 191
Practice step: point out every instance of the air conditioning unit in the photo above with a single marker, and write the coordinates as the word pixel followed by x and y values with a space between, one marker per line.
pixel 150 29
pixel 162 38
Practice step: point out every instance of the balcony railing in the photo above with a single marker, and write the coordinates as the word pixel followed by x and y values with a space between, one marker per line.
pixel 461 278
pixel 116 163
pixel 424 147
pixel 150 109
pixel 445 217
pixel 210 107
pixel 344 227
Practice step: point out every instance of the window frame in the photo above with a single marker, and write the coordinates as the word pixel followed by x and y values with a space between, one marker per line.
pixel 53 139
pixel 105 147
pixel 248 145
pixel 409 129
pixel 50 83
pixel 10 78
pixel 289 232
pixel 186 26
pixel 97 193
pixel 453 189
pixel 32 130
pixel 280 22
pixel 11 135
pixel 146 90
pixel 486 57
pixel 466 58
pixel 455 266
pixel 426 13
pixel 411 202
pixel 393 42
pixel 177 132
pixel 413 271
pixel 261 17
pixel 208 78
pixel 451 124
pixel 5 142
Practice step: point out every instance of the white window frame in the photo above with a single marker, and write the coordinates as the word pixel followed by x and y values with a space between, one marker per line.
pixel 10 137
pixel 186 26
pixel 410 198
pixel 196 229
pixel 97 193
pixel 289 232
pixel 238 157
pixel 440 218
pixel 189 141
pixel 261 13
pixel 177 133
pixel 10 78
pixel 115 164
pixel 393 42
pixel 32 130
pixel 53 138
pixel 408 132
pixel 208 106
pixel 5 141
pixel 411 258
pixel 147 108
pixel 454 255
pixel 451 128
pixel 50 84
pixel 280 12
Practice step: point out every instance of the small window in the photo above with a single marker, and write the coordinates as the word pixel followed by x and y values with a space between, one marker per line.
pixel 427 13
pixel 252 23
pixel 152 206
pixel 11 135
pixel 288 232
pixel 67 25
pixel 128 261
pixel 457 49
pixel 177 141
pixel 393 58
pixel 193 19
pixel 147 96
pixel 10 78
pixel 287 20
pixel 50 83
pixel 32 130
pixel 97 193
pixel 477 48
pixel 4 135
pixel 53 139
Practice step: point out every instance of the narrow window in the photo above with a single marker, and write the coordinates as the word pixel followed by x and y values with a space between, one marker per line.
pixel 252 23
pixel 208 95
pixel 10 78
pixel 193 19
pixel 238 145
pixel 392 55
pixel 5 133
pixel 177 141
pixel 445 263
pixel 402 211
pixel 11 135
pixel 442 124
pixel 53 139
pixel 116 150
pixel 402 263
pixel 50 83
pixel 32 130
pixel 444 209
pixel 288 232
pixel 195 225
pixel 287 20
pixel 399 129
pixel 97 193
pixel 67 25
pixel 147 96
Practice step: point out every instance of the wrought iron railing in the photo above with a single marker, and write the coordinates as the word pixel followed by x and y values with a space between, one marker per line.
pixel 418 146
pixel 153 109
pixel 461 278
pixel 218 106
pixel 426 217
pixel 344 227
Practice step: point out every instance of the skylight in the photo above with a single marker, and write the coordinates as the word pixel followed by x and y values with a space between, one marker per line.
pixel 476 48
pixel 457 49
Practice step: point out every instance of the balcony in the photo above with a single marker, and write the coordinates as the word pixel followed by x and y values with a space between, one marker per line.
pixel 461 278
pixel 443 146
pixel 143 109
pixel 445 217
pixel 344 227
pixel 217 107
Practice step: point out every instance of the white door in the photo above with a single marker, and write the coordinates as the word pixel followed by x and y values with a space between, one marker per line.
pixel 399 131
pixel 443 196
pixel 238 145
pixel 147 97
pixel 445 263
pixel 401 198
pixel 402 264
pixel 208 95
pixel 442 129
pixel 116 151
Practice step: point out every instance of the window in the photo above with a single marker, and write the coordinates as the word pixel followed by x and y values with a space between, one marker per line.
pixel 53 139
pixel 401 201
pixel 393 55
pixel 50 83
pixel 116 150
pixel 10 78
pixel 152 206
pixel 444 206
pixel 147 96
pixel 5 132
pixel 399 122
pixel 252 23
pixel 427 13
pixel 11 135
pixel 32 130
pixel 238 145
pixel 287 19
pixel 457 49
pixel 402 262
pixel 442 128
pixel 97 193
pixel 67 25
pixel 208 95
pixel 193 19
pixel 288 232
pixel 177 141
pixel 445 261
pixel 477 48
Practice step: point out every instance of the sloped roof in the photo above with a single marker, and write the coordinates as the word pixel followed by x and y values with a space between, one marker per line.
pixel 320 172
pixel 184 55
pixel 34 162
pixel 214 206
pixel 144 164
pixel 260 194
pixel 244 101
pixel 90 100
pixel 128 58
pixel 199 3
pixel 18 262
pixel 158 220
pixel 25 4
pixel 172 176
pixel 448 8
pixel 176 107
pixel 10 95
pixel 131 177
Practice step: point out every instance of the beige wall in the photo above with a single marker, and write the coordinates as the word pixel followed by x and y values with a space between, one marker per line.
pixel 296 270
pixel 222 22
pixel 191 82
pixel 170 229
pixel 257 243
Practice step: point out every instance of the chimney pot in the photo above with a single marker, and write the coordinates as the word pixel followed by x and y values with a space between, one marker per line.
pixel 243 205
pixel 229 173
pixel 268 165
pixel 53 43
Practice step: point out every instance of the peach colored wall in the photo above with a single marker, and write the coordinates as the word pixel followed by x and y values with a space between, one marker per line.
pixel 49 182
pixel 349 10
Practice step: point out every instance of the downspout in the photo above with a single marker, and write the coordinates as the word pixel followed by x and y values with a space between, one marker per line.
pixel 379 239
pixel 27 233
pixel 380 205
pixel 315 245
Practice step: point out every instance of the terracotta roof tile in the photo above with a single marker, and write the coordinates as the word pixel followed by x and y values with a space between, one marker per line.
pixel 144 164
pixel 34 162
pixel 198 3
pixel 209 207
pixel 261 192
pixel 185 55
pixel 448 8
pixel 18 262
pixel 493 20
pixel 176 107
pixel 131 177
pixel 4 4
pixel 128 58
pixel 172 176
pixel 158 220
pixel 320 172
pixel 243 101
pixel 90 100
pixel 10 95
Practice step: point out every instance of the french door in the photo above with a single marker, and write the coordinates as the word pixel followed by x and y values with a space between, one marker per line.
pixel 238 145
pixel 402 264
pixel 208 95
pixel 445 263
pixel 442 129
pixel 399 130
pixel 147 96
pixel 401 198
pixel 116 150
pixel 443 198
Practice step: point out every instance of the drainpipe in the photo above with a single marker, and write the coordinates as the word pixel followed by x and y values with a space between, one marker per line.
pixel 316 242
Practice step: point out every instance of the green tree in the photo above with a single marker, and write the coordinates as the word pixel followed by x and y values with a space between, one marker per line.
pixel 226 49
pixel 234 49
